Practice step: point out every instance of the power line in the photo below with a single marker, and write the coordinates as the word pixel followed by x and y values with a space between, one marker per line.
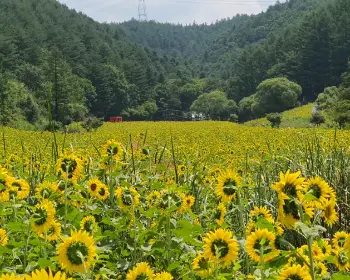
pixel 142 10
pixel 247 2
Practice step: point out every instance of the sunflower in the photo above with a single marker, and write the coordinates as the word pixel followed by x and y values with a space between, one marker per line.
pixel 227 185
pixel 45 189
pixel 11 276
pixel 54 233
pixel 3 237
pixel 93 185
pixel 20 188
pixel 278 228
pixel 220 214
pixel 187 203
pixel 47 275
pixel 163 276
pixel 303 255
pixel 43 216
pixel 77 252
pixel 329 214
pixel 181 169
pixel 317 252
pixel 288 212
pixel 339 240
pixel 128 197
pixel 261 238
pixel 220 246
pixel 88 224
pixel 140 271
pixel 69 167
pixel 170 199
pixel 319 192
pixel 325 247
pixel 153 198
pixel 289 185
pixel 320 269
pixel 260 212
pixel 5 184
pixel 102 192
pixel 296 272
pixel 341 259
pixel 201 266
pixel 113 150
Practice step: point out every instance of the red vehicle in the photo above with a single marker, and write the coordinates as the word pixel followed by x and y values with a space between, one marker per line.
pixel 116 119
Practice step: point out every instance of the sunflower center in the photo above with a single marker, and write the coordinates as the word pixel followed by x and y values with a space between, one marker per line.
pixel 328 211
pixel 318 270
pixel 294 277
pixel 290 190
pixel 169 200
pixel 88 226
pixel 77 252
pixel 203 264
pixel 217 215
pixel 219 248
pixel 18 185
pixel 69 166
pixel 258 216
pixel 230 187
pixel 45 193
pixel 315 191
pixel 341 241
pixel 291 208
pixel 127 197
pixel 112 150
pixel 51 231
pixel 40 216
pixel 142 276
pixel 93 187
pixel 102 191
pixel 342 258
pixel 259 244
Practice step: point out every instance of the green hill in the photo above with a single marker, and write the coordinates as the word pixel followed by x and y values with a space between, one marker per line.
pixel 52 55
pixel 297 117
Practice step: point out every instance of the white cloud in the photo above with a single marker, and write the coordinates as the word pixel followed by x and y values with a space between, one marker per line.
pixel 183 11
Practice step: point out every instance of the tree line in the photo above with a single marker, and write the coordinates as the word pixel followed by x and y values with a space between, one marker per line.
pixel 57 61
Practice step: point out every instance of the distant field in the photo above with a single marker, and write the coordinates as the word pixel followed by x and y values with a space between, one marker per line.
pixel 172 200
pixel 297 117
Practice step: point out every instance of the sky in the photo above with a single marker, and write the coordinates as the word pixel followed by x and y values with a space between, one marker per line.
pixel 173 11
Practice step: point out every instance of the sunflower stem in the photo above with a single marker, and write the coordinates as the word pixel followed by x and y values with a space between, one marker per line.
pixel 262 264
pixel 242 225
pixel 65 204
pixel 168 235
pixel 312 266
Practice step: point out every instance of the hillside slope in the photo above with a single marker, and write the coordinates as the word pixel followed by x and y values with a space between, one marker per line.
pixel 51 55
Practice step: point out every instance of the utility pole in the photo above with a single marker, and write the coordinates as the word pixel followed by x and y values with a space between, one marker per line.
pixel 142 10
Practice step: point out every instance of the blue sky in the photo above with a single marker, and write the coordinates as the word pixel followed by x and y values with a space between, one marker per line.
pixel 174 11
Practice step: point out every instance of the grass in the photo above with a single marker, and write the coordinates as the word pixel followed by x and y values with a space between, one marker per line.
pixel 298 117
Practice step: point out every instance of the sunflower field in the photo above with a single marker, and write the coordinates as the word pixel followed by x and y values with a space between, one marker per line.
pixel 161 201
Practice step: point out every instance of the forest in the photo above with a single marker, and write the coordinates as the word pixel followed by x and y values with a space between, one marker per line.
pixel 58 63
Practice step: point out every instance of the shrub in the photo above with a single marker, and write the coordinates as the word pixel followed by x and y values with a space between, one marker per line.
pixel 317 119
pixel 275 119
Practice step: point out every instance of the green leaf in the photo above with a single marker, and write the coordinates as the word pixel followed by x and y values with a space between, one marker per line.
pixel 340 276
pixel 173 266
pixel 44 263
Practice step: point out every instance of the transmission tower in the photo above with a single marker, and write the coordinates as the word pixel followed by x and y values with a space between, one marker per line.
pixel 142 10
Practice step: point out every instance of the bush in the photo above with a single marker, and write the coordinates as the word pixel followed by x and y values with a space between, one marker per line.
pixel 233 118
pixel 317 119
pixel 275 119
pixel 92 123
